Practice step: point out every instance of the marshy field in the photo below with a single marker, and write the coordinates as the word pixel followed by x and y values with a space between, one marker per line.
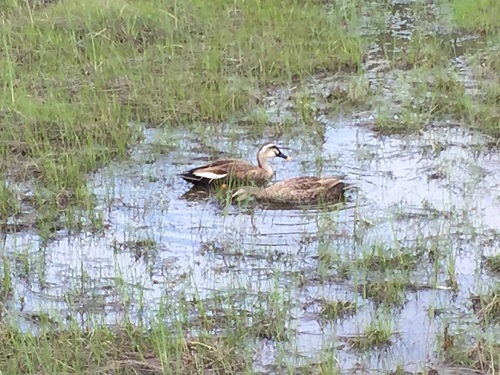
pixel 110 264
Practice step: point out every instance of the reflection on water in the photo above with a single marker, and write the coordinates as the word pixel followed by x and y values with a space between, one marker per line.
pixel 407 193
pixel 437 190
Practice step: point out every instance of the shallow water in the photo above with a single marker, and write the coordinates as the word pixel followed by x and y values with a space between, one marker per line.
pixel 202 250
pixel 435 190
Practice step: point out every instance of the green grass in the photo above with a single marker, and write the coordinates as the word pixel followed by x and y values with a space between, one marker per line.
pixel 493 263
pixel 487 304
pixel 80 79
pixel 331 310
pixel 128 351
pixel 437 93
pixel 480 15
pixel 76 74
pixel 378 334
pixel 8 202
pixel 181 336
pixel 470 348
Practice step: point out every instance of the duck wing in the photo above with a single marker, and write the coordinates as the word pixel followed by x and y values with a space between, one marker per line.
pixel 217 170
pixel 306 183
pixel 305 188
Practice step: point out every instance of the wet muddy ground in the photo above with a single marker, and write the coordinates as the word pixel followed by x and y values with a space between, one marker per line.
pixel 406 253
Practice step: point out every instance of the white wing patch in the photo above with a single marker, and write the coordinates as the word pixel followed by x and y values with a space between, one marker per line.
pixel 210 175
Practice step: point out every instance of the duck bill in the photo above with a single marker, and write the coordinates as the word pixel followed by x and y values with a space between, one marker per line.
pixel 283 156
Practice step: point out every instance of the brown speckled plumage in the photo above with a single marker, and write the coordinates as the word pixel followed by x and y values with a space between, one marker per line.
pixel 297 190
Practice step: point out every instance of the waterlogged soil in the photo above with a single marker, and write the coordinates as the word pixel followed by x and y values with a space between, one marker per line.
pixel 411 199
pixel 425 213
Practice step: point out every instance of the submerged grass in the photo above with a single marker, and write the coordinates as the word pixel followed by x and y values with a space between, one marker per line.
pixel 79 78
pixel 337 309
pixel 183 336
pixel 479 352
pixel 75 74
pixel 439 93
pixel 493 263
pixel 487 304
pixel 378 334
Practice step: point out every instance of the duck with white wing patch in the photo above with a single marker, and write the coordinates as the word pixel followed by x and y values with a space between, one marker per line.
pixel 236 171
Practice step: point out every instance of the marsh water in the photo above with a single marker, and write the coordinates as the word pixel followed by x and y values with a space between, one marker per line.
pixel 436 191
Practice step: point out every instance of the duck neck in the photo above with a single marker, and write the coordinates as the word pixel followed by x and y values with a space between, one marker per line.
pixel 252 190
pixel 246 192
pixel 264 164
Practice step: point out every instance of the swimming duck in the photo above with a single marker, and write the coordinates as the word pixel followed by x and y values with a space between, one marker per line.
pixel 297 190
pixel 236 171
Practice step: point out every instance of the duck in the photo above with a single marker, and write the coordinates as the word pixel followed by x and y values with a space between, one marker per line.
pixel 236 171
pixel 296 190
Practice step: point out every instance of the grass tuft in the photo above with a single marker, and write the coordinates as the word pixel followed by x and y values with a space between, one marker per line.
pixel 481 354
pixel 493 263
pixel 378 334
pixel 331 310
pixel 487 305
